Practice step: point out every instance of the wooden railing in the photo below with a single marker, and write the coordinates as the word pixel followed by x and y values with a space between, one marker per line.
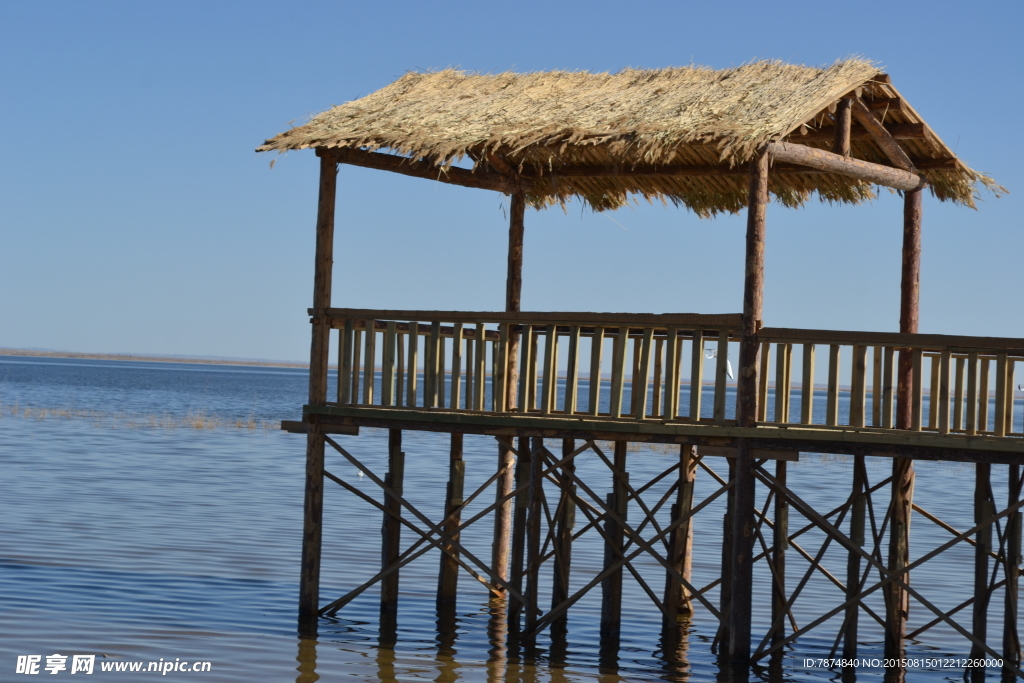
pixel 668 368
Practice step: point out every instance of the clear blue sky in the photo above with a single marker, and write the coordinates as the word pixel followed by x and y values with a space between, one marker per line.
pixel 135 216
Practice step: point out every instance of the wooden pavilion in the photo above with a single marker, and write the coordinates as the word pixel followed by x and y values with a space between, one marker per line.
pixel 712 141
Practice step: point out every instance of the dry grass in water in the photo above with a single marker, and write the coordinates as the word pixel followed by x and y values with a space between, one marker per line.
pixel 123 420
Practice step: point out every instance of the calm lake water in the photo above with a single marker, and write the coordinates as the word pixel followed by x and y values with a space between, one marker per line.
pixel 153 511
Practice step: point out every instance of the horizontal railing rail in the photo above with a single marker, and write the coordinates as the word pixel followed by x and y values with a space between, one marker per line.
pixel 670 368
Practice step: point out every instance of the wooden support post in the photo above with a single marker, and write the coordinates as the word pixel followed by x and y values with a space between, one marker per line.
pixel 533 537
pixel 1011 638
pixel 857 516
pixel 743 508
pixel 897 601
pixel 611 587
pixel 726 571
pixel 984 509
pixel 448 577
pixel 312 524
pixel 842 118
pixel 519 520
pixel 780 541
pixel 503 513
pixel 563 539
pixel 391 532
pixel 677 598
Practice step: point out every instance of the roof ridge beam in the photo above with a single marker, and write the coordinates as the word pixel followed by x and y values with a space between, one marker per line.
pixel 855 168
pixel 881 136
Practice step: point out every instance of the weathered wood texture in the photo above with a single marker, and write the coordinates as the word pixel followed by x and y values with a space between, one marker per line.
pixel 611 587
pixel 448 576
pixel 828 162
pixel 677 598
pixel 391 529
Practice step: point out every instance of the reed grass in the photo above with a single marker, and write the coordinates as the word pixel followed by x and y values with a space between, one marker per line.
pixel 125 420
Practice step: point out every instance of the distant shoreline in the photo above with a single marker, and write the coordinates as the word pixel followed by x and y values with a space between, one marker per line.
pixel 150 359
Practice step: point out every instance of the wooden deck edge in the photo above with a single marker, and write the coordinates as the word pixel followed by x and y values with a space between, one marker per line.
pixel 906 444
pixel 300 427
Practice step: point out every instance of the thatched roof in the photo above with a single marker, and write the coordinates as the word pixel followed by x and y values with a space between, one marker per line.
pixel 543 125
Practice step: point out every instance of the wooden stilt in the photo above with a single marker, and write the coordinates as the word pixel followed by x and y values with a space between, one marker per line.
pixel 563 538
pixel 857 513
pixel 750 349
pixel 725 589
pixel 897 600
pixel 984 509
pixel 519 529
pixel 391 532
pixel 780 541
pixel 448 577
pixel 503 514
pixel 533 537
pixel 1011 638
pixel 677 598
pixel 611 587
pixel 312 525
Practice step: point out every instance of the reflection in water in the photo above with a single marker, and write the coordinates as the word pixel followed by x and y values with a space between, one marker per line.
pixel 497 637
pixel 307 661
pixel 447 633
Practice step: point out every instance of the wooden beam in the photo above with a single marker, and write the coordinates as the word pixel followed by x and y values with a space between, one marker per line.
pixel 900 131
pixel 881 136
pixel 885 104
pixel 855 168
pixel 841 131
pixel 454 175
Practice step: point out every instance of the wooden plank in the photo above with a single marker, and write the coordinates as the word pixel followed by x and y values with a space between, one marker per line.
pixel 414 346
pixel 442 375
pixel 387 391
pixel 876 387
pixel 807 386
pixel 480 376
pixel 297 427
pixel 762 388
pixel 641 383
pixel 495 359
pixel 828 162
pixel 933 392
pixel 857 386
pixel 930 342
pixel 532 370
pixel 656 400
pixel 696 374
pixel 572 371
pixel 887 387
pixel 1001 390
pixel 758 453
pixel 526 355
pixel 1010 366
pixel 634 376
pixel 400 376
pixel 722 360
pixel 670 401
pixel 618 372
pixel 433 360
pixel 958 394
pixel 501 375
pixel 457 366
pixel 832 403
pixel 983 397
pixel 787 380
pixel 781 383
pixel 345 363
pixel 550 378
pixel 470 374
pixel 687 321
pixel 971 425
pixel 370 367
pixel 917 390
pixel 943 397
pixel 594 381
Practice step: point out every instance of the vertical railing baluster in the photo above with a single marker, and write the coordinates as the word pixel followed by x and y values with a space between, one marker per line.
pixel 720 374
pixel 958 395
pixel 456 365
pixel 807 386
pixel 832 402
pixel 414 362
pixel 933 392
pixel 370 362
pixel 943 392
pixel 442 383
pixel 787 383
pixel 696 374
pixel 618 371
pixel 917 391
pixel 495 360
pixel 1010 367
pixel 357 350
pixel 498 386
pixel 550 361
pixel 470 370
pixel 887 387
pixel 876 387
pixel 983 396
pixel 480 376
pixel 971 425
pixel 780 383
pixel 531 388
pixel 572 374
pixel 387 376
pixel 659 350
pixel 526 356
pixel 1000 413
pixel 400 376
pixel 345 363
pixel 762 381
pixel 432 359
pixel 594 381
pixel 641 382
pixel 857 382
pixel 671 399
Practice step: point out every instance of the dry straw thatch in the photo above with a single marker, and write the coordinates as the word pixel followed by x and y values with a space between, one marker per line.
pixel 542 124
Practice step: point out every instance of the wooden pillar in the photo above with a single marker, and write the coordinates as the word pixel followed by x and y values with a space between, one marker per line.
pixel 725 587
pixel 533 538
pixel 519 520
pixel 513 297
pixel 391 532
pixel 448 577
pixel 563 539
pixel 677 598
pixel 897 600
pixel 611 587
pixel 780 541
pixel 1011 638
pixel 750 351
pixel 857 516
pixel 843 117
pixel 984 509
pixel 312 523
